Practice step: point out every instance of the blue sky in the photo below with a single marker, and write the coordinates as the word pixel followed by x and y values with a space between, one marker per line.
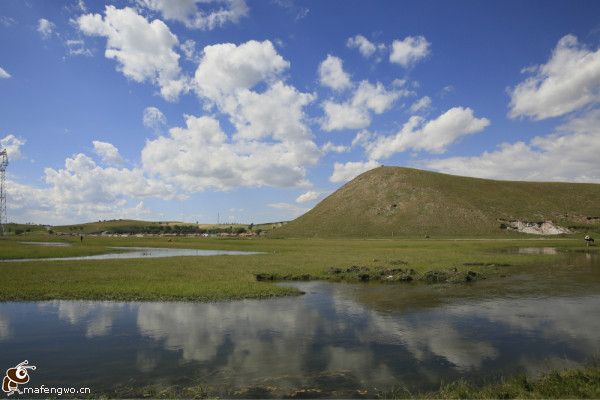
pixel 256 110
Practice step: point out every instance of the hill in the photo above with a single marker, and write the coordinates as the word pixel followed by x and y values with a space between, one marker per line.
pixel 396 201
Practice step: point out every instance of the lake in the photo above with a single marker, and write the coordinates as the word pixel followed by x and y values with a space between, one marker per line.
pixel 338 340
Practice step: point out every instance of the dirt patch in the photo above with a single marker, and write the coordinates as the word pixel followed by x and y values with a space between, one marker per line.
pixel 534 228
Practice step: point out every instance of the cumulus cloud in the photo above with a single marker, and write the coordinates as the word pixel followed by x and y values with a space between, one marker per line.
pixel 143 50
pixel 216 13
pixel 277 112
pixel 569 81
pixel 202 156
pixel 433 136
pixel 45 28
pixel 364 45
pixel 226 68
pixel 83 190
pixel 350 170
pixel 409 50
pixel 356 112
pixel 332 74
pixel 107 152
pixel 154 119
pixel 83 181
pixel 423 104
pixel 308 196
pixel 4 74
pixel 569 154
pixel 45 205
pixel 334 148
pixel 271 144
pixel 12 145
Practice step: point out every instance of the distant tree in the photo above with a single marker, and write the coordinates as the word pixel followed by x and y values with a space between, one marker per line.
pixel 251 226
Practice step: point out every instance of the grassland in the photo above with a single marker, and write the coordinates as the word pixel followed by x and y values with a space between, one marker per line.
pixel 583 383
pixel 405 202
pixel 234 277
pixel 577 383
pixel 131 225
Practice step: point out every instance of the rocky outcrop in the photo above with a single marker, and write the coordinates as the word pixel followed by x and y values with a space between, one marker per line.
pixel 534 228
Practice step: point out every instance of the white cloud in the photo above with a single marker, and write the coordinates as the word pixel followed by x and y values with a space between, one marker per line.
pixel 7 21
pixel 409 50
pixel 144 50
pixel 423 104
pixel 364 45
pixel 188 13
pixel 201 156
pixel 271 144
pixel 356 112
pixel 45 205
pixel 83 181
pixel 568 81
pixel 334 148
pixel 189 50
pixel 570 154
pixel 308 196
pixel 82 190
pixel 226 68
pixel 350 170
pixel 76 47
pixel 277 112
pixel 154 119
pixel 45 28
pixel 344 116
pixel 433 136
pixel 332 74
pixel 12 144
pixel 4 74
pixel 107 152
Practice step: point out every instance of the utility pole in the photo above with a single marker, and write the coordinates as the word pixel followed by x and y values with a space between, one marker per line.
pixel 3 165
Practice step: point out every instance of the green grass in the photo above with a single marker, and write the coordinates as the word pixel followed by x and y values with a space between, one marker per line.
pixel 579 383
pixel 233 277
pixel 575 383
pixel 395 201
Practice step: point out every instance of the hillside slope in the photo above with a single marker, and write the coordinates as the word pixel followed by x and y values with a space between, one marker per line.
pixel 396 201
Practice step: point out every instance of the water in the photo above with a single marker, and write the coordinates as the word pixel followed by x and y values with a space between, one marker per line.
pixel 138 252
pixel 336 338
pixel 49 244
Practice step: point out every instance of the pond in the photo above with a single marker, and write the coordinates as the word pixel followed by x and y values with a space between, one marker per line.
pixel 138 252
pixel 339 340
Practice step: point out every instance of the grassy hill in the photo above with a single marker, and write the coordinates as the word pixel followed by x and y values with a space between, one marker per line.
pixel 395 201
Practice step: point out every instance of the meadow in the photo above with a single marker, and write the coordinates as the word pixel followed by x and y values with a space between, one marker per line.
pixel 235 277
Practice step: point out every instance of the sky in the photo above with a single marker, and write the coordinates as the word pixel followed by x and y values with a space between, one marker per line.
pixel 253 111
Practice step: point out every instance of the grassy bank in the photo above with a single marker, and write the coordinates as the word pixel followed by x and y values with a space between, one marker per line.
pixel 582 383
pixel 570 384
pixel 234 277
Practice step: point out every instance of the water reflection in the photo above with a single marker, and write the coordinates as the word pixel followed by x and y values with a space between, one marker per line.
pixel 326 338
pixel 139 252
pixel 538 250
pixel 48 244
pixel 4 327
